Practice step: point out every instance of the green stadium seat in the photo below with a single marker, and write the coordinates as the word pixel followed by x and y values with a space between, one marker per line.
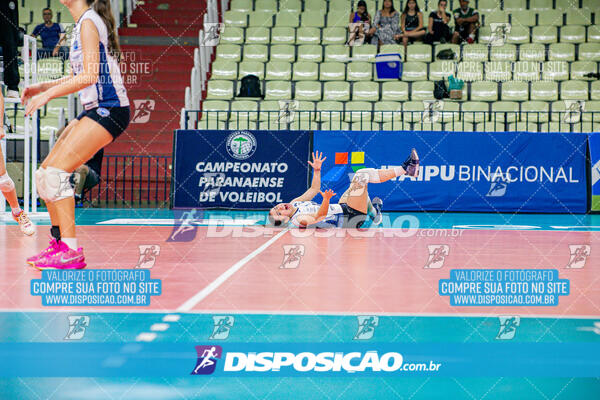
pixel 515 91
pixel 280 35
pixel 274 125
pixel 224 69
pixel 422 90
pixel 589 51
pixel 391 48
pixel 341 7
pixel 232 35
pixel 544 91
pixel 386 111
pixel 495 17
pixel 505 111
pixel 266 5
pixel 532 52
pixel 310 52
pixel 219 90
pixel 579 16
pixel 394 91
pixel 290 19
pixel 523 127
pixel 567 4
pixel 306 71
pixel 364 53
pixel 590 5
pixel 306 35
pixel 337 52
pixel 428 126
pixel 229 52
pixel 418 52
pixel 334 35
pixel 260 35
pixel 278 90
pixel 25 17
pixel 527 71
pixel 515 5
pixel 313 18
pixel 319 6
pixel 308 90
pixel 244 110
pixel 540 5
pixel 357 111
pixel 470 71
pixel 252 68
pixel 498 71
pixel 281 52
pixel 269 109
pixel 517 35
pixel 365 91
pixel 591 111
pixel 338 91
pixel 487 6
pixel 475 111
pixel 413 111
pixel 484 91
pixel 441 70
pixel 535 111
pixel 551 18
pixel 278 71
pixel 555 127
pixel 257 52
pixel 329 110
pixel 574 90
pixel 332 71
pixel 507 52
pixel 236 18
pixel 595 91
pixel 593 33
pixel 211 124
pixel 414 71
pixel 544 34
pixel 260 18
pixel 573 34
pixel 365 126
pixel 454 47
pixel 561 52
pixel 242 125
pixel 555 71
pixel 394 125
pixel 290 5
pixel 475 52
pixel 450 111
pixel 581 68
pixel 491 126
pixel 335 125
pixel 241 5
pixel 524 18
pixel 303 125
pixel 216 110
pixel 360 71
pixel 49 69
pixel 558 111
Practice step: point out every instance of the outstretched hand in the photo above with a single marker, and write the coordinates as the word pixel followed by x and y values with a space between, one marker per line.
pixel 328 194
pixel 317 160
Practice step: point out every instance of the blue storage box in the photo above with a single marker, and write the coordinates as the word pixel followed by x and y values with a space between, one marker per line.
pixel 389 66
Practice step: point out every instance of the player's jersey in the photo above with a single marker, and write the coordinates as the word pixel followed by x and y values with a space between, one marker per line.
pixel 333 218
pixel 108 90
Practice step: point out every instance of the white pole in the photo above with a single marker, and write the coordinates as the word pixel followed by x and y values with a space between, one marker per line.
pixel 34 136
pixel 3 146
pixel 27 133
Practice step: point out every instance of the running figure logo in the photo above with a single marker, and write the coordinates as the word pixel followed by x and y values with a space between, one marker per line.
pixel 508 326
pixel 223 325
pixel 432 110
pixel 143 109
pixel 499 33
pixel 437 255
pixel 498 185
pixel 185 226
pixel 573 110
pixel 77 326
pixel 292 254
pixel 287 110
pixel 366 327
pixel 212 32
pixel 148 254
pixel 579 254
pixel 207 359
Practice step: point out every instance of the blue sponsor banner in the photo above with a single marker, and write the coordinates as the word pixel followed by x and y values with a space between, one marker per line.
pixel 470 171
pixel 594 141
pixel 351 360
pixel 239 169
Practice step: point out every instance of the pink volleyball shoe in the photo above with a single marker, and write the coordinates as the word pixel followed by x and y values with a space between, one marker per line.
pixel 64 258
pixel 54 247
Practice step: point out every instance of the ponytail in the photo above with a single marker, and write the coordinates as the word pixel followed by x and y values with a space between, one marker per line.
pixel 102 8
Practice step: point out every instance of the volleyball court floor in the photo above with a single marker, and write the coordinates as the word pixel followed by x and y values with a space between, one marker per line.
pixel 276 285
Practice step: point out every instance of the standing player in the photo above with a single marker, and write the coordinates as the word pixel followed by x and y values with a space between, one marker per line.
pixel 354 205
pixel 7 186
pixel 94 56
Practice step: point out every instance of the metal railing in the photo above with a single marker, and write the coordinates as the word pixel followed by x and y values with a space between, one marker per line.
pixel 436 120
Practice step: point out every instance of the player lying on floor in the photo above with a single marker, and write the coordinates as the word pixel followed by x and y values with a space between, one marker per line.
pixel 354 206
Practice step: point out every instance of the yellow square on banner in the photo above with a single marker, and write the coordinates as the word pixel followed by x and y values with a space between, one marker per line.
pixel 358 157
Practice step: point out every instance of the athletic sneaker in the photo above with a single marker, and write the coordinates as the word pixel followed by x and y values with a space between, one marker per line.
pixel 12 94
pixel 54 247
pixel 25 223
pixel 64 258
pixel 378 217
pixel 411 165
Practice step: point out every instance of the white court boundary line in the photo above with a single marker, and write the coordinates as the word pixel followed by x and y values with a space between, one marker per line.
pixel 201 295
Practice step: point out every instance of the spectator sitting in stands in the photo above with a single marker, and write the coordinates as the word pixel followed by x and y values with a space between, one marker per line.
pixel 467 22
pixel 360 16
pixel 53 36
pixel 439 31
pixel 386 25
pixel 411 23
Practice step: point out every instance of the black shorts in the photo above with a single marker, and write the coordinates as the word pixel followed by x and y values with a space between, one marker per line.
pixel 91 180
pixel 114 119
pixel 352 218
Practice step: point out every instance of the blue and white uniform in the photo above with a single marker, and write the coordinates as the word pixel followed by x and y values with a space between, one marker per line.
pixel 109 90
pixel 334 218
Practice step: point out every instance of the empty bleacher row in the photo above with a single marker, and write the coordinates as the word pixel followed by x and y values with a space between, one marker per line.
pixel 30 12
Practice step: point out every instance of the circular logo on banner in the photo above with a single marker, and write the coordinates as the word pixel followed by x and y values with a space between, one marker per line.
pixel 103 112
pixel 241 145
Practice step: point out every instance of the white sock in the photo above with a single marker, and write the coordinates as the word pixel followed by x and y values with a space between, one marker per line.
pixel 399 171
pixel 71 242
pixel 16 211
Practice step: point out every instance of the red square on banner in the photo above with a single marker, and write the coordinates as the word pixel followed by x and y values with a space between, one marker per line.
pixel 341 158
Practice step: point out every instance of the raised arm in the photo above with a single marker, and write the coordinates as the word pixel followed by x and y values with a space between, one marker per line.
pixel 315 186
pixel 1 116
pixel 306 220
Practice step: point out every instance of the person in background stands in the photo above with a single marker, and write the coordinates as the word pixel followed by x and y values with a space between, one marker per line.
pixel 438 25
pixel 53 36
pixel 386 25
pixel 361 15
pixel 466 20
pixel 9 40
pixel 411 23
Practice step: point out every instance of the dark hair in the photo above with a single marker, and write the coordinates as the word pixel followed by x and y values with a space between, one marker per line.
pixel 47 9
pixel 102 7
pixel 392 9
pixel 274 222
pixel 365 15
pixel 445 1
pixel 416 7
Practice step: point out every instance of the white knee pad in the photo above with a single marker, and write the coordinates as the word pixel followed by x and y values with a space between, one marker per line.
pixel 366 175
pixel 6 184
pixel 54 184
